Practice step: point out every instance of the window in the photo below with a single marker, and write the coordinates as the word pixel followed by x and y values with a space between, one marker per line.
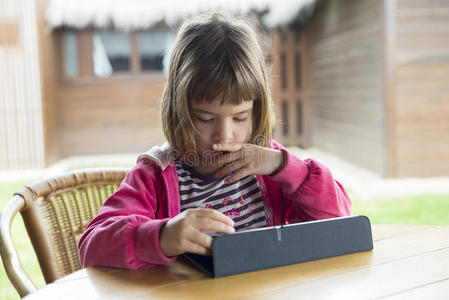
pixel 269 60
pixel 285 117
pixel 299 116
pixel 283 36
pixel 152 48
pixel 297 34
pixel 298 70
pixel 111 52
pixel 105 53
pixel 283 71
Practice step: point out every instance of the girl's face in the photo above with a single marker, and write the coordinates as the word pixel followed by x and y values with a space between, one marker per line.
pixel 221 123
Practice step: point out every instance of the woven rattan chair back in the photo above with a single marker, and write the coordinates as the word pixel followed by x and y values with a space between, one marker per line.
pixel 55 213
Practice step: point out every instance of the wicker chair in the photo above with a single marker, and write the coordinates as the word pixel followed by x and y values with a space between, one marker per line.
pixel 55 213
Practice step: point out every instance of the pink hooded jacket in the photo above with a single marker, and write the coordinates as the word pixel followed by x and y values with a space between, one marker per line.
pixel 125 233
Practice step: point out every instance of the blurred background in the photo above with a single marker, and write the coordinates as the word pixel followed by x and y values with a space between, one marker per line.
pixel 360 85
pixel 363 80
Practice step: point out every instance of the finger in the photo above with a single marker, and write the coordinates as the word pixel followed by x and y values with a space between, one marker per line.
pixel 213 214
pixel 232 156
pixel 202 239
pixel 227 146
pixel 230 168
pixel 209 224
pixel 193 247
pixel 243 172
pixel 227 158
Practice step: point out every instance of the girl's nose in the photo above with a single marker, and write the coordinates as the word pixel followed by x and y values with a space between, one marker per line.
pixel 224 131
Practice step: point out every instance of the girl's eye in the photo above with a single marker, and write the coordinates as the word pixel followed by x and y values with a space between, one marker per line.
pixel 240 119
pixel 204 120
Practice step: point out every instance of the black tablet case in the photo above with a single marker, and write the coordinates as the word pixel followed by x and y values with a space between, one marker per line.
pixel 275 246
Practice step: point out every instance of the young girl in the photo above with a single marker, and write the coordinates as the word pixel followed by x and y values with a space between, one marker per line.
pixel 220 170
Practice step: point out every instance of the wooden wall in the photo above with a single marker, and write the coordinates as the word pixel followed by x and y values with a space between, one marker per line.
pixel 289 87
pixel 421 90
pixel 21 128
pixel 88 115
pixel 345 53
pixel 104 116
pixel 49 76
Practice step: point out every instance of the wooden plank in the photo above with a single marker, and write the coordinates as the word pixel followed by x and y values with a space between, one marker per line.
pixel 396 255
pixel 422 13
pixel 436 289
pixel 423 41
pixel 340 97
pixel 426 164
pixel 433 55
pixel 353 151
pixel 134 57
pixel 9 32
pixel 383 231
pixel 20 106
pixel 425 73
pixel 425 168
pixel 91 113
pixel 389 75
pixel 425 160
pixel 425 112
pixel 351 147
pixel 102 284
pixel 85 54
pixel 345 38
pixel 337 128
pixel 425 144
pixel 435 27
pixel 345 75
pixel 48 63
pixel 387 279
pixel 424 156
pixel 411 4
pixel 354 14
pixel 423 103
pixel 339 71
pixel 371 122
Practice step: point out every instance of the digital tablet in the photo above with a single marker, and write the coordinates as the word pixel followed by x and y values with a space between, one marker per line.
pixel 268 247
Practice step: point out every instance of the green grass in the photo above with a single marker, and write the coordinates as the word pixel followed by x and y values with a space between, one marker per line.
pixel 422 209
pixel 22 244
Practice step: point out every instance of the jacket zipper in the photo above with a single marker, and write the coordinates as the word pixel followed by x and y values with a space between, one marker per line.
pixel 166 196
pixel 283 220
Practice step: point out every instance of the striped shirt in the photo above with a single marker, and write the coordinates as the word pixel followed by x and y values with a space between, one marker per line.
pixel 240 200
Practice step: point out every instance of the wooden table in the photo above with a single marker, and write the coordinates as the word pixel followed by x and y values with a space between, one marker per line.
pixel 408 262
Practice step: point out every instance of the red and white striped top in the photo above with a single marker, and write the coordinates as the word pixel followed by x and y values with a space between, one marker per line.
pixel 240 200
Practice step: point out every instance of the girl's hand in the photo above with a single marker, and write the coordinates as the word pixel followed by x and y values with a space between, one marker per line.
pixel 184 233
pixel 248 159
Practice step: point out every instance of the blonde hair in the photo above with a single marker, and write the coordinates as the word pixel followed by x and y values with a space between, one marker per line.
pixel 215 56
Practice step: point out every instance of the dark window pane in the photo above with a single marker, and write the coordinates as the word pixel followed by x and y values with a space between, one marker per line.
pixel 299 117
pixel 283 35
pixel 297 36
pixel 285 117
pixel 153 62
pixel 283 71
pixel 153 47
pixel 298 70
pixel 111 52
pixel 119 63
pixel 269 60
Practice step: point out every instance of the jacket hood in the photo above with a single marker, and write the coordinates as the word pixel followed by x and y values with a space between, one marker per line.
pixel 162 155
